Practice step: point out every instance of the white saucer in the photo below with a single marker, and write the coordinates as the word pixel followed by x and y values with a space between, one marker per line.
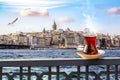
pixel 87 56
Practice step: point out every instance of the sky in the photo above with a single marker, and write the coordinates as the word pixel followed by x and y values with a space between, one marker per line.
pixel 101 16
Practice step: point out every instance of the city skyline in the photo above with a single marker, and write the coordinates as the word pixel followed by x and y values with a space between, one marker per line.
pixel 33 16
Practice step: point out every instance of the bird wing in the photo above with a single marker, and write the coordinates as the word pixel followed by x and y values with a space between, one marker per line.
pixel 13 22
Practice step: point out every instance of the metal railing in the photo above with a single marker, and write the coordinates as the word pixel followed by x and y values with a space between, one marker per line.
pixel 60 69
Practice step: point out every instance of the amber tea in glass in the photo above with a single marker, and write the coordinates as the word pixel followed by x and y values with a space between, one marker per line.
pixel 90 45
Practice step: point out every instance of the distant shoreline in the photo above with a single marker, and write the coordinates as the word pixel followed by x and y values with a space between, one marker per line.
pixel 111 48
pixel 11 46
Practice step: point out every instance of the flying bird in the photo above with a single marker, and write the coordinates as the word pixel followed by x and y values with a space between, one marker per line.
pixel 11 23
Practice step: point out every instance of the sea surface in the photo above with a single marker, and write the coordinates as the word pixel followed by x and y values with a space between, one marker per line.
pixel 54 53
pixel 46 53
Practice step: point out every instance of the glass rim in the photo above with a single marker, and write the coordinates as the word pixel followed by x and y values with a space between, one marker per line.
pixel 90 36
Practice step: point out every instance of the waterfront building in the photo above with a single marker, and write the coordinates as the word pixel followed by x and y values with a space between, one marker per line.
pixel 119 39
pixel 108 41
pixel 79 39
pixel 112 40
pixel 22 40
pixel 56 39
pixel 115 42
pixel 48 41
pixel 16 42
pixel 70 41
pixel 48 34
pixel 2 39
pixel 33 40
pixel 19 38
pixel 6 39
pixel 41 42
pixel 103 43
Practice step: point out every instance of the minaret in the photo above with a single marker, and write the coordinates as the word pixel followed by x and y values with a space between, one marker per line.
pixel 44 30
pixel 54 26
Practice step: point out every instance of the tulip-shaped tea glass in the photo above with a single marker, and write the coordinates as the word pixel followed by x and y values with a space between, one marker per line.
pixel 90 45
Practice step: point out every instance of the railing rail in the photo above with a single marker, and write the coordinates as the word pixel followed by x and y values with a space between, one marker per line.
pixel 75 69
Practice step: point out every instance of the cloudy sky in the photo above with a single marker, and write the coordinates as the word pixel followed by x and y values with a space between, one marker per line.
pixel 34 15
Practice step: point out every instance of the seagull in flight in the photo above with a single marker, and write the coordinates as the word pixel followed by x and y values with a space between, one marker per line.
pixel 11 23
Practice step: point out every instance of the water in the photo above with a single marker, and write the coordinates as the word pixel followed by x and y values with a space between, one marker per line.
pixel 38 54
pixel 57 53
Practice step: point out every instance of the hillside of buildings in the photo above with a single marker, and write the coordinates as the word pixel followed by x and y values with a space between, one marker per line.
pixel 57 38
